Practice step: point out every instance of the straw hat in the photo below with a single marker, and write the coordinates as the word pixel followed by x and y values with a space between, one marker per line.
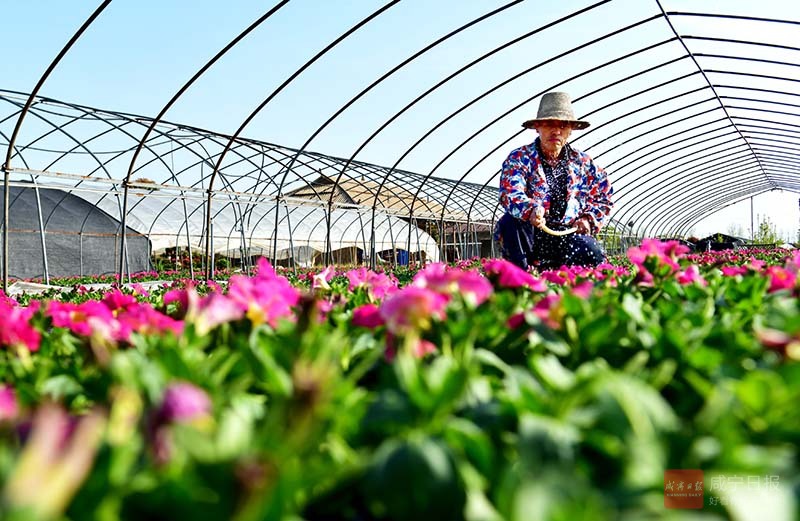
pixel 556 106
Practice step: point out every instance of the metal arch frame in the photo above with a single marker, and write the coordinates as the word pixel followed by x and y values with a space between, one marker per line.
pixel 761 148
pixel 714 86
pixel 18 126
pixel 764 171
pixel 169 104
pixel 451 76
pixel 274 93
pixel 678 223
pixel 693 168
pixel 385 76
pixel 719 204
pixel 501 84
pixel 736 166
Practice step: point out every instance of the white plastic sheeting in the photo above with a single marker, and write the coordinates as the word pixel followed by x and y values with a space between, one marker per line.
pixel 250 227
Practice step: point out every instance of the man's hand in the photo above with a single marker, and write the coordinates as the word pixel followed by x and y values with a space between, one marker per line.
pixel 583 225
pixel 537 217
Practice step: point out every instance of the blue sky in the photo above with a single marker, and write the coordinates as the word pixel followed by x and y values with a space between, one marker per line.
pixel 137 54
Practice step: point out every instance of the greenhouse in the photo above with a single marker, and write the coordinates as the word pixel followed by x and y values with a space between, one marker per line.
pixel 684 109
pixel 397 260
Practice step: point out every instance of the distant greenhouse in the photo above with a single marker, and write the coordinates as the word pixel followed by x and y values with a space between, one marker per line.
pixel 79 237
pixel 296 208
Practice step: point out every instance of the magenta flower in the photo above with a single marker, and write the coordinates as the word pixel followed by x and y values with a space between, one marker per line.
pixel 515 321
pixel 9 408
pixel 665 253
pixel 471 285
pixel 5 300
pixel 78 318
pixel 16 330
pixel 378 284
pixel 143 319
pixel 509 275
pixel 560 277
pixel 368 316
pixel 583 290
pixel 410 309
pixel 115 300
pixel 780 279
pixel 732 271
pixel 549 311
pixel 265 298
pixel 691 275
pixel 184 402
pixel 357 277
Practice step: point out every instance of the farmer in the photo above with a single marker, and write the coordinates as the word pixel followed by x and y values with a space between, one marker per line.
pixel 555 197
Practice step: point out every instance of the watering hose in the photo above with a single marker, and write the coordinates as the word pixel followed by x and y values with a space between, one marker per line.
pixel 545 229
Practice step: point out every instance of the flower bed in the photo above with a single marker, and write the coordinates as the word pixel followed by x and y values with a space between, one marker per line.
pixel 475 392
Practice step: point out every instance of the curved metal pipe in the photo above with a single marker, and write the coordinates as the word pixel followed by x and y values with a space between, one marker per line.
pixel 15 133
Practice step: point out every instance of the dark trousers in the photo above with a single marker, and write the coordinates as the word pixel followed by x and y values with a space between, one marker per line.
pixel 526 246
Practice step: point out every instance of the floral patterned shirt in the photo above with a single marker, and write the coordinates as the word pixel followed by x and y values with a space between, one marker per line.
pixel 523 187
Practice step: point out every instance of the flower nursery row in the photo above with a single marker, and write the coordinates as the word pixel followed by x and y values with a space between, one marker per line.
pixel 476 392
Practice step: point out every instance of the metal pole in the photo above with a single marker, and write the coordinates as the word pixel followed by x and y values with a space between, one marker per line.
pixel 752 230
pixel 15 133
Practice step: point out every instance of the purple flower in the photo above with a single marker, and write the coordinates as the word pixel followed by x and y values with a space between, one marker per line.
pixel 184 402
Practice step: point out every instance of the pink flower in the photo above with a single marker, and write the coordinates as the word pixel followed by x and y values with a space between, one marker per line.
pixel 115 300
pixel 584 289
pixel 184 402
pixel 509 275
pixel 138 289
pixel 515 321
pixel 410 309
pixel 780 278
pixel 779 341
pixel 550 311
pixel 265 298
pixel 143 319
pixel 665 253
pixel 471 285
pixel 423 348
pixel 732 271
pixel 793 262
pixel 320 280
pixel 378 284
pixel 368 316
pixel 756 264
pixel 691 275
pixel 16 329
pixel 215 309
pixel 9 408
